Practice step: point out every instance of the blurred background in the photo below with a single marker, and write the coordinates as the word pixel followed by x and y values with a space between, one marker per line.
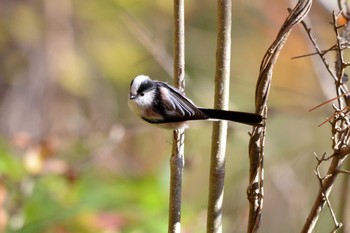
pixel 75 159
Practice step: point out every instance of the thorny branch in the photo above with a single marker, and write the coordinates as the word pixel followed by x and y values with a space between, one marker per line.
pixel 340 125
pixel 337 225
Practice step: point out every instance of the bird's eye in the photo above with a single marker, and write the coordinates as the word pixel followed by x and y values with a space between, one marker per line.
pixel 142 94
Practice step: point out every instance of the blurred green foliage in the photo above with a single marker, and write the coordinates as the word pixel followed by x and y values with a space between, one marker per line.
pixel 94 201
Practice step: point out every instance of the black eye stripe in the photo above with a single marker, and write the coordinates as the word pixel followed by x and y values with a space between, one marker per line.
pixel 145 86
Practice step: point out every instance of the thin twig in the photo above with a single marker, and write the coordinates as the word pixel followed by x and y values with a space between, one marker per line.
pixel 343 171
pixel 323 52
pixel 337 225
pixel 318 50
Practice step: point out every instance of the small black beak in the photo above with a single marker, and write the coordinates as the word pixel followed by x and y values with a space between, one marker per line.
pixel 132 97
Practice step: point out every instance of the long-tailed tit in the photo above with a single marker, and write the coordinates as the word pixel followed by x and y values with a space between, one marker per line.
pixel 163 105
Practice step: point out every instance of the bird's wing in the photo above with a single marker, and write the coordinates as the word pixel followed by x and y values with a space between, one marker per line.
pixel 178 106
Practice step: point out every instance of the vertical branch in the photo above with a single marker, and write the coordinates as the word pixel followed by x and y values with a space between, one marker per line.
pixel 176 168
pixel 222 78
pixel 255 190
pixel 177 156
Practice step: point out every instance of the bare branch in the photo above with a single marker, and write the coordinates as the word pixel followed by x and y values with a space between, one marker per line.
pixel 255 191
pixel 219 134
pixel 340 126
pixel 337 225
pixel 177 157
pixel 318 50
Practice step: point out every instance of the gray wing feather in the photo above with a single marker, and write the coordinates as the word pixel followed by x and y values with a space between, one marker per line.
pixel 180 106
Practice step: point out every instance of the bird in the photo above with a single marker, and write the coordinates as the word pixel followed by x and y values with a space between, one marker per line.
pixel 163 105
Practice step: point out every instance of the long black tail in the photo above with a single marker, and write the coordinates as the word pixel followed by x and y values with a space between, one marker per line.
pixel 241 117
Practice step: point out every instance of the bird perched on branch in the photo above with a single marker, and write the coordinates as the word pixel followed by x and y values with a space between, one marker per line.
pixel 162 105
